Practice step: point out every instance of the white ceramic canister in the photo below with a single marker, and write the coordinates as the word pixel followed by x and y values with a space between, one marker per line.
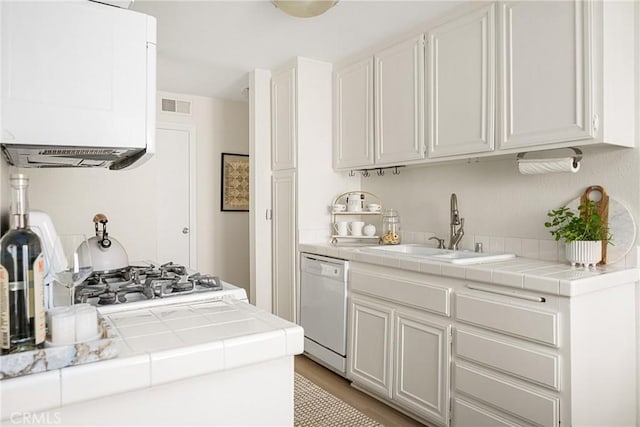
pixel 369 230
pixel 355 227
pixel 354 203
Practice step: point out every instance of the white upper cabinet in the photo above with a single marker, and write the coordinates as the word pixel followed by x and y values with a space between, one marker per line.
pixel 461 84
pixel 500 77
pixel 399 102
pixel 544 65
pixel 379 107
pixel 283 120
pixel 353 115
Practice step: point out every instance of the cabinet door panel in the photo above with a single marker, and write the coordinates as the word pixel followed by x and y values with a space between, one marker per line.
pixel 505 317
pixel 284 244
pixel 399 288
pixel 399 76
pixel 370 344
pixel 283 120
pixel 508 357
pixel 470 415
pixel 422 366
pixel 353 116
pixel 461 85
pixel 544 68
pixel 513 398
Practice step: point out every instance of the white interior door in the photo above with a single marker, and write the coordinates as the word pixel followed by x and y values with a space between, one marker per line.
pixel 175 190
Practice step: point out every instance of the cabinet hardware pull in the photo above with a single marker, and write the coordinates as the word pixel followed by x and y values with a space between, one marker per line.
pixel 506 293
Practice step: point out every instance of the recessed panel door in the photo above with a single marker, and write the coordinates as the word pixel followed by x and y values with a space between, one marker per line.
pixel 173 196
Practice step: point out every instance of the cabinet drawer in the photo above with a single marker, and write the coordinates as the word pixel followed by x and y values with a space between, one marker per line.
pixel 524 322
pixel 405 291
pixel 469 415
pixel 510 397
pixel 528 364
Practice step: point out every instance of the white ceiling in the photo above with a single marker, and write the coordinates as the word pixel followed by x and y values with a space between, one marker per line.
pixel 207 48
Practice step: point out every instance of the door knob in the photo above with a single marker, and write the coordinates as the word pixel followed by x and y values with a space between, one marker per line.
pixel 185 230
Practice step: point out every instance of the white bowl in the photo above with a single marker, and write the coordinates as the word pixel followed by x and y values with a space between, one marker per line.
pixel 373 207
pixel 339 208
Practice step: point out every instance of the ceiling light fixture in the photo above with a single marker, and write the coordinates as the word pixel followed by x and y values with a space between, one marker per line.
pixel 304 8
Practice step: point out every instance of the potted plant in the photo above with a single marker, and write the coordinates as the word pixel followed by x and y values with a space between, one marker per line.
pixel 583 231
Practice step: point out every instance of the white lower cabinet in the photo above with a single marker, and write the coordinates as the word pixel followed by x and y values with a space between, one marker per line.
pixel 506 366
pixel 370 345
pixel 415 344
pixel 468 414
pixel 283 190
pixel 398 352
pixel 508 395
pixel 459 353
pixel 422 354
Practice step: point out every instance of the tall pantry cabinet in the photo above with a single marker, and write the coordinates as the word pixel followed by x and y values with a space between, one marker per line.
pixel 283 191
pixel 303 182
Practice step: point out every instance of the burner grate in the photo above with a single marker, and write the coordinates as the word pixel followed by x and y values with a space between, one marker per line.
pixel 137 283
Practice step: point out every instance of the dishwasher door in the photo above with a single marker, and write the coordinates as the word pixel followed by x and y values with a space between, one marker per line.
pixel 323 308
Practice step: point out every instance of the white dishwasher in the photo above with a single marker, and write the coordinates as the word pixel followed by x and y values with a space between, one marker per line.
pixel 323 310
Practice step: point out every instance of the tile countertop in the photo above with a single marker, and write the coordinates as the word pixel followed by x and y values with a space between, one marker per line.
pixel 158 345
pixel 531 274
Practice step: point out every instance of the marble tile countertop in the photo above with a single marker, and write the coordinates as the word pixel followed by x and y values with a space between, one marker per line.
pixel 531 274
pixel 158 345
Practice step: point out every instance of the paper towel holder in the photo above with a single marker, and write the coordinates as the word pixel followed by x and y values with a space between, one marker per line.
pixel 576 158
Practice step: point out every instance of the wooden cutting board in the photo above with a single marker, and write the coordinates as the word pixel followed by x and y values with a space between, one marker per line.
pixel 599 196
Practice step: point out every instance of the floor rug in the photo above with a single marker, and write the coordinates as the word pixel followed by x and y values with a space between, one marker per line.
pixel 315 407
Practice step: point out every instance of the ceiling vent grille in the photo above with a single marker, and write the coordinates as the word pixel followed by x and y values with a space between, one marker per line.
pixel 176 106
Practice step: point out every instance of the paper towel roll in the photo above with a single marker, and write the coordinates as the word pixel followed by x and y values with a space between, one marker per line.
pixel 541 166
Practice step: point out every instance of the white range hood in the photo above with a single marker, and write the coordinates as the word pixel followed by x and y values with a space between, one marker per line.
pixel 78 85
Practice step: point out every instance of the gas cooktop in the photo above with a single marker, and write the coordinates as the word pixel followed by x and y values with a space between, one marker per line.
pixel 143 282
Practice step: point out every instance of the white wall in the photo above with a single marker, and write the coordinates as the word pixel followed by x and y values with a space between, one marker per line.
pixel 223 237
pixel 318 184
pixel 495 199
pixel 73 196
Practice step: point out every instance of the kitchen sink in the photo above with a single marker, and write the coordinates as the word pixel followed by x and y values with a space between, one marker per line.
pixel 435 254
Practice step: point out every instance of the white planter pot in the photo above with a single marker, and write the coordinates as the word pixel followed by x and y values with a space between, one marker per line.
pixel 583 252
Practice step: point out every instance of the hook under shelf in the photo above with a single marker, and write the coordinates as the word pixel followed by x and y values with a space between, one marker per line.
pixel 379 171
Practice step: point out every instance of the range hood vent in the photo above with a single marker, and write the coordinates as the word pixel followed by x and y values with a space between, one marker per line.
pixel 26 156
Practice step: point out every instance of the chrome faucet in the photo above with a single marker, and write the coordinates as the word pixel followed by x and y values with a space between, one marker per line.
pixel 456 234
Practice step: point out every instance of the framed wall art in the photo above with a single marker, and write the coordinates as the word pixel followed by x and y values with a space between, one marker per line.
pixel 235 183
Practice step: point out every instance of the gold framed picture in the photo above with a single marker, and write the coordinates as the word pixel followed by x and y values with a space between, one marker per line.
pixel 235 182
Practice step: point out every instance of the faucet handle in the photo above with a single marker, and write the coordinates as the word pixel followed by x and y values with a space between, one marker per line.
pixel 440 241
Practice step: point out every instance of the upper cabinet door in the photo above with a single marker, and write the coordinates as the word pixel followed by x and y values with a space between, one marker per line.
pixel 283 120
pixel 545 76
pixel 461 85
pixel 353 116
pixel 399 88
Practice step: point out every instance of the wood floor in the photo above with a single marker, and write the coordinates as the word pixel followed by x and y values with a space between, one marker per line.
pixel 341 388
